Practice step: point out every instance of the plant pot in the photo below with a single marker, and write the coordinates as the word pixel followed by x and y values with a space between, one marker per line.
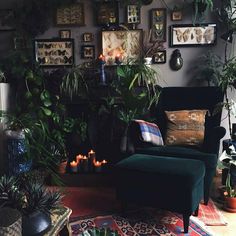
pixel 230 204
pixel 36 223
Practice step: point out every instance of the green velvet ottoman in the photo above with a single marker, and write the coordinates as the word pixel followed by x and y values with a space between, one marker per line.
pixel 169 183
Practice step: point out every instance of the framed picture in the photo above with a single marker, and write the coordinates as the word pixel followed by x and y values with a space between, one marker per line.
pixel 158 25
pixel 107 12
pixel 193 35
pixel 72 15
pixel 125 43
pixel 6 19
pixel 159 57
pixel 176 15
pixel 87 37
pixel 133 14
pixel 65 34
pixel 88 52
pixel 54 52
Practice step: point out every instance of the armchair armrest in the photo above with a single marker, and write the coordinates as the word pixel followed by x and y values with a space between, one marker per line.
pixel 211 142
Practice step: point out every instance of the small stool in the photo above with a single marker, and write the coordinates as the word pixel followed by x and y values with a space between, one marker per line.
pixel 169 183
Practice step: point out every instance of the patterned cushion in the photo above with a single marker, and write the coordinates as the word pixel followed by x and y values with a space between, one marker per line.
pixel 185 127
pixel 150 132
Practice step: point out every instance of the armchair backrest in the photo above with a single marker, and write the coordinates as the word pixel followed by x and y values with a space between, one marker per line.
pixel 189 98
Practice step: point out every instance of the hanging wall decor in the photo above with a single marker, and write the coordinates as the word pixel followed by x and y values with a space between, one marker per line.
pixel 158 25
pixel 54 52
pixel 6 18
pixel 71 15
pixel 87 37
pixel 133 14
pixel 65 34
pixel 192 35
pixel 106 12
pixel 87 51
pixel 159 57
pixel 125 43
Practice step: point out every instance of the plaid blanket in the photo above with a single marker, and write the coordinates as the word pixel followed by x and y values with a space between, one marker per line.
pixel 150 132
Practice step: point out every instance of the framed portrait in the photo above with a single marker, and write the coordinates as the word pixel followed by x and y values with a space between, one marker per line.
pixel 6 19
pixel 87 37
pixel 54 52
pixel 72 15
pixel 176 15
pixel 193 35
pixel 65 34
pixel 133 14
pixel 159 57
pixel 88 51
pixel 125 43
pixel 107 12
pixel 158 24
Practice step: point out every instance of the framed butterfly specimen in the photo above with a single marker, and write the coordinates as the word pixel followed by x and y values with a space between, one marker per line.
pixel 87 51
pixel 193 35
pixel 159 57
pixel 54 52
pixel 158 25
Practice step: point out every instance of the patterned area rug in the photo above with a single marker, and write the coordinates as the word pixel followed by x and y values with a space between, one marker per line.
pixel 141 222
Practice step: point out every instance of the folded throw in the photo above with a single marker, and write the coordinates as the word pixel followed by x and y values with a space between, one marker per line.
pixel 150 132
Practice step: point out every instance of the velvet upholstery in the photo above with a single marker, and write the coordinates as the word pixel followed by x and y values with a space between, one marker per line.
pixel 187 98
pixel 165 182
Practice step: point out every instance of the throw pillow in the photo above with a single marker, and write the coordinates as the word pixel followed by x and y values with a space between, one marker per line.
pixel 185 127
pixel 150 132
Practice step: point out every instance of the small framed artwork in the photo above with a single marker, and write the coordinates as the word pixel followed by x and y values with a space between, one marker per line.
pixel 20 43
pixel 88 52
pixel 72 15
pixel 54 52
pixel 158 25
pixel 87 37
pixel 107 12
pixel 176 15
pixel 6 19
pixel 193 35
pixel 65 34
pixel 125 43
pixel 159 57
pixel 133 14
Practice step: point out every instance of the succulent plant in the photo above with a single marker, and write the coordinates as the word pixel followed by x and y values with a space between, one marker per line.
pixel 100 232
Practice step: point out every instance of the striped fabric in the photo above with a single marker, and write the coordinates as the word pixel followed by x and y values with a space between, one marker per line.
pixel 150 132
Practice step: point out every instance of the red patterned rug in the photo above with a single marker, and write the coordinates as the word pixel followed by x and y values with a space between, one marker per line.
pixel 141 222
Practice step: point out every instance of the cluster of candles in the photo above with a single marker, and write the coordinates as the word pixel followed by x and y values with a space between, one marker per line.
pixel 87 163
pixel 118 59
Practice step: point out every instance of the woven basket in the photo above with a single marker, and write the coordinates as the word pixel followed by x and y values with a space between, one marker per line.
pixel 10 223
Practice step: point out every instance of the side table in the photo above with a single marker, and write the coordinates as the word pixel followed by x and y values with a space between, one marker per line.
pixel 60 222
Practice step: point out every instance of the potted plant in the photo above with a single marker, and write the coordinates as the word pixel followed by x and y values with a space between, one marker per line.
pixel 200 8
pixel 230 195
pixel 32 199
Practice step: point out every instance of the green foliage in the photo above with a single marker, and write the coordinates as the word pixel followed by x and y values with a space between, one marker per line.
pixel 208 68
pixel 73 83
pixel 27 196
pixel 230 191
pixel 100 232
pixel 228 75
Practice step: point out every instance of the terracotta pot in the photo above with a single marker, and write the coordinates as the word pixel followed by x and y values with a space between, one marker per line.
pixel 230 202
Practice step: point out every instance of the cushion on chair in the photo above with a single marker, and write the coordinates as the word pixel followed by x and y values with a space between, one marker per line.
pixel 185 127
pixel 209 159
pixel 150 132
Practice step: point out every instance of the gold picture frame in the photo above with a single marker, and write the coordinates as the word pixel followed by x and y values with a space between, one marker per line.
pixel 72 15
pixel 125 43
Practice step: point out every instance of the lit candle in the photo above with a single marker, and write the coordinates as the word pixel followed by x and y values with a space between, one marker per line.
pixel 97 166
pixel 104 162
pixel 73 166
pixel 118 59
pixel 79 157
pixel 92 155
pixel 84 164
pixel 102 58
